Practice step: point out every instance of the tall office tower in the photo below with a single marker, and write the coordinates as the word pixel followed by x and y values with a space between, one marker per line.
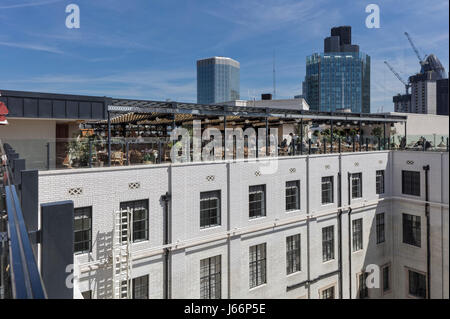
pixel 402 103
pixel 338 78
pixel 429 88
pixel 217 80
pixel 442 97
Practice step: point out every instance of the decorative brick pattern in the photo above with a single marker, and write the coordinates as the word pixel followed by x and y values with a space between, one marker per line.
pixel 75 191
pixel 134 185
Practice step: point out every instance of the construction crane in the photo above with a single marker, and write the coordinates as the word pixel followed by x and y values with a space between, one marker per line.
pixel 421 61
pixel 407 85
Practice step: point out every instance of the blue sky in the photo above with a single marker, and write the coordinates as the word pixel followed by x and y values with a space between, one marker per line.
pixel 147 49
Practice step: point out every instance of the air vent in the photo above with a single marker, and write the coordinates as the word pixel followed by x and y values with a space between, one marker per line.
pixel 134 185
pixel 76 191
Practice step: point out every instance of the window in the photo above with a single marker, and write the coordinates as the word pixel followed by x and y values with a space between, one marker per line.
pixel 210 278
pixel 82 229
pixel 257 265
pixel 209 209
pixel 257 201
pixel 386 279
pixel 292 195
pixel 357 185
pixel 363 291
pixel 380 182
pixel 293 254
pixel 417 284
pixel 87 294
pixel 139 213
pixel 357 234
pixel 327 293
pixel 327 190
pixel 328 243
pixel 411 230
pixel 411 183
pixel 140 287
pixel 380 228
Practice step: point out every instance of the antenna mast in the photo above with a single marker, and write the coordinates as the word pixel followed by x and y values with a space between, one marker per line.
pixel 274 83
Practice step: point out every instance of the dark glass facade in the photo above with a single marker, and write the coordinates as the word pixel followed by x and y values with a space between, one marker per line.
pixel 218 80
pixel 339 80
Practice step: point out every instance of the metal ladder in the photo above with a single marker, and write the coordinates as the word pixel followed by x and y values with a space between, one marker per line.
pixel 121 254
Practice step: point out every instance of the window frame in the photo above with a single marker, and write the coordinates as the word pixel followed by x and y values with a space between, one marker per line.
pixel 296 185
pixel 412 237
pixel 328 241
pixel 293 254
pixel 256 190
pixel 327 180
pixel 357 235
pixel 141 286
pixel 408 286
pixel 124 206
pixel 413 188
pixel 254 266
pixel 380 182
pixel 359 186
pixel 218 216
pixel 326 288
pixel 79 211
pixel 380 227
pixel 360 288
pixel 210 278
pixel 385 291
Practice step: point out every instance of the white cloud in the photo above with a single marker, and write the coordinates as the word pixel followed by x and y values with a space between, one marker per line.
pixel 31 46
pixel 28 4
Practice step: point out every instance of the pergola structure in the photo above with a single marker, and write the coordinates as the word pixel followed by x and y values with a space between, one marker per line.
pixel 163 115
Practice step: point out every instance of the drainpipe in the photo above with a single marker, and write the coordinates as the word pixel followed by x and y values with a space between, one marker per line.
pixel 340 232
pixel 426 168
pixel 307 227
pixel 349 240
pixel 166 199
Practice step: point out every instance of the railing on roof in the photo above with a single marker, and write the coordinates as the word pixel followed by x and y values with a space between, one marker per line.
pixel 20 277
pixel 88 152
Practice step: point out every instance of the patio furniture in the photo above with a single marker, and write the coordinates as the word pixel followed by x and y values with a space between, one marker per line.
pixel 117 157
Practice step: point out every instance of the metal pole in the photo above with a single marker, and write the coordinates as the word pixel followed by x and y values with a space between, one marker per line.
pixel 324 145
pixel 367 144
pixel 353 143
pixel 379 143
pixel 331 134
pixel 301 136
pixel 109 138
pixel 90 152
pixel 127 149
pixel 309 146
pixel 159 151
pixel 360 136
pixel 339 145
pixel 224 135
pixel 48 155
pixel 267 136
pixel 384 135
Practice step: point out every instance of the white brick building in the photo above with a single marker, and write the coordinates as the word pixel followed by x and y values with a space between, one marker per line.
pixel 233 232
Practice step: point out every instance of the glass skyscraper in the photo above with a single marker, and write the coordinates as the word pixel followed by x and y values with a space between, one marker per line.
pixel 338 80
pixel 218 80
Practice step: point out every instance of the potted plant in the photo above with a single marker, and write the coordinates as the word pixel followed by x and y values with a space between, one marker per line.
pixel 148 158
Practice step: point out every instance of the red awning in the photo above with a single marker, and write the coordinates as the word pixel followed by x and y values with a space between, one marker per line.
pixel 3 112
